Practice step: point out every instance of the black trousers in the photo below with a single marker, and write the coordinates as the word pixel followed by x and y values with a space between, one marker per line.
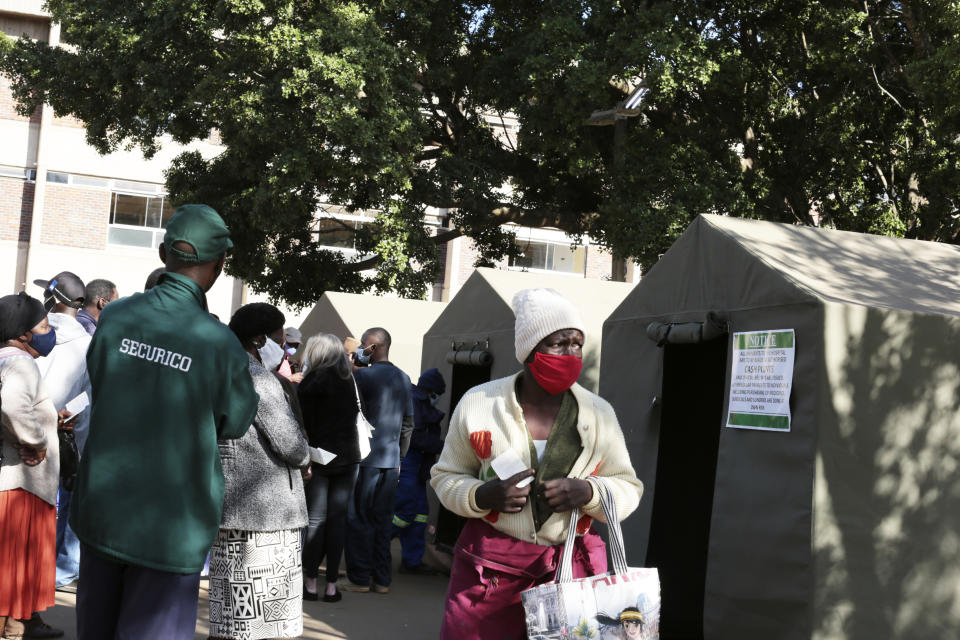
pixel 369 525
pixel 328 497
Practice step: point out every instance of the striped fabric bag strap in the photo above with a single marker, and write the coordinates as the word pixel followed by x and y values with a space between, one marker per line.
pixel 617 552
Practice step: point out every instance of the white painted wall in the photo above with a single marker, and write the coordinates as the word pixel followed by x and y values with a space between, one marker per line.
pixel 73 155
pixel 18 143
pixel 25 7
pixel 292 318
pixel 128 268
pixel 8 266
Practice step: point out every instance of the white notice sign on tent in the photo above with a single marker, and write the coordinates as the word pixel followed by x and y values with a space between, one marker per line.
pixel 760 380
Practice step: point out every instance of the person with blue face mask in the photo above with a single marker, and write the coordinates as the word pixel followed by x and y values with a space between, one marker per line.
pixel 388 405
pixel 364 354
pixel 29 465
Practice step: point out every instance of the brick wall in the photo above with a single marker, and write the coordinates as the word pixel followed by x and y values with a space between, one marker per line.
pixel 468 256
pixel 599 263
pixel 75 216
pixel 16 207
pixel 8 106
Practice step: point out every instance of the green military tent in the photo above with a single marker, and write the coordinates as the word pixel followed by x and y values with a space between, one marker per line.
pixel 350 314
pixel 844 524
pixel 471 341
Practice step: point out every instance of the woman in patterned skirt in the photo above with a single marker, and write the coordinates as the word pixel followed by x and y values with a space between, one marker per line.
pixel 255 563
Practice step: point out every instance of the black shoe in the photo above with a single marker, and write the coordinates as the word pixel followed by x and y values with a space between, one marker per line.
pixel 337 597
pixel 37 628
pixel 418 570
pixel 310 596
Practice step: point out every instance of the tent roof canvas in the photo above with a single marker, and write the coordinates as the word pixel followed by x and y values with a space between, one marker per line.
pixel 350 314
pixel 594 298
pixel 482 310
pixel 802 263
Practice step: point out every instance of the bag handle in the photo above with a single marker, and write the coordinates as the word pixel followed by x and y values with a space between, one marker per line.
pixel 565 568
pixel 356 391
pixel 617 551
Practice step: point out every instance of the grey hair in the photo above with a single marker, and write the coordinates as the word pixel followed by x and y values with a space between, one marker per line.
pixel 325 350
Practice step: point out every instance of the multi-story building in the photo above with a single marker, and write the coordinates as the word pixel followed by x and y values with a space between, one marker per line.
pixel 63 206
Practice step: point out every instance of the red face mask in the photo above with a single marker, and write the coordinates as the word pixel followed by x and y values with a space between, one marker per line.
pixel 555 374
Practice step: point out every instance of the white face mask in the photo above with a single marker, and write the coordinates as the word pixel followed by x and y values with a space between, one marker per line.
pixel 271 354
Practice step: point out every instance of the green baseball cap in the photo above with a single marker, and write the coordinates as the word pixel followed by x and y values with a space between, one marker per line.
pixel 200 227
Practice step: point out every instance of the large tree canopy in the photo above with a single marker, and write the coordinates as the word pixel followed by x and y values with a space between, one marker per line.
pixel 845 114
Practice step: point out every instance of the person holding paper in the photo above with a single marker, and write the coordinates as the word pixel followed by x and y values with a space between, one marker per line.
pixel 29 465
pixel 64 373
pixel 518 457
pixel 329 402
pixel 263 505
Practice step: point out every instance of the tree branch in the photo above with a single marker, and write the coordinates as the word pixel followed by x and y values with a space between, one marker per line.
pixel 890 95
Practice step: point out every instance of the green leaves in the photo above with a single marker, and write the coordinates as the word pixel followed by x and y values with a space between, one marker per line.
pixel 829 113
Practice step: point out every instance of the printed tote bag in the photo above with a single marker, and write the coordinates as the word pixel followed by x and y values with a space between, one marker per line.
pixel 623 603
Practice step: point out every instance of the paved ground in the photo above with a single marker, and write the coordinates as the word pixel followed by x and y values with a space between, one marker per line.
pixel 412 610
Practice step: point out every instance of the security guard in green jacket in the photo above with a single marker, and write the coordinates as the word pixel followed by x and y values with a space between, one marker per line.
pixel 168 380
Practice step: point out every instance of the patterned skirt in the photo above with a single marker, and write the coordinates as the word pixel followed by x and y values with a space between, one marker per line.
pixel 256 584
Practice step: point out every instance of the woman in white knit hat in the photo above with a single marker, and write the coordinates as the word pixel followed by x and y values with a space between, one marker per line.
pixel 564 435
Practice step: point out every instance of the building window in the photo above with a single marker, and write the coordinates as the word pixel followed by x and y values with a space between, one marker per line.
pixel 549 256
pixel 12 171
pixel 339 233
pixel 138 220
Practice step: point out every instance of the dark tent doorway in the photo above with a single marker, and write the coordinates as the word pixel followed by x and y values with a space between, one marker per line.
pixel 464 378
pixel 690 418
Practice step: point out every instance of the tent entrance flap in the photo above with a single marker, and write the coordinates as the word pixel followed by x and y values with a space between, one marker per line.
pixel 690 419
pixel 465 376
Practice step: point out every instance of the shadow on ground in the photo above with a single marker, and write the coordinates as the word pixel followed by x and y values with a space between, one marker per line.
pixel 412 610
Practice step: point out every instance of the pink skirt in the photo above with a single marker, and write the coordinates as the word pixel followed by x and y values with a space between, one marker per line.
pixel 28 554
pixel 491 569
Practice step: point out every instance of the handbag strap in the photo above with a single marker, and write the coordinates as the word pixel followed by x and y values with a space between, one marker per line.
pixel 617 552
pixel 356 391
pixel 565 568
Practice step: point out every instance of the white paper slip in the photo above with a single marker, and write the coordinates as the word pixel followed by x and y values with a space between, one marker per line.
pixel 321 456
pixel 509 464
pixel 78 404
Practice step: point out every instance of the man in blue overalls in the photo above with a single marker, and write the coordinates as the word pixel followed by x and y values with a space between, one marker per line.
pixel 410 513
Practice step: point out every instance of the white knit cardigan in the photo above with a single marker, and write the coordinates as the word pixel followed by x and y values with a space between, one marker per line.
pixel 493 408
pixel 28 417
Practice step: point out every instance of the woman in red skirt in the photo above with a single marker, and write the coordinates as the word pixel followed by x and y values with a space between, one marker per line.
pixel 30 464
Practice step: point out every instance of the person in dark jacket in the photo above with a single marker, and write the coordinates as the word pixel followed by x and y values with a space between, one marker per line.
pixel 329 401
pixel 263 506
pixel 98 294
pixel 388 406
pixel 410 513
